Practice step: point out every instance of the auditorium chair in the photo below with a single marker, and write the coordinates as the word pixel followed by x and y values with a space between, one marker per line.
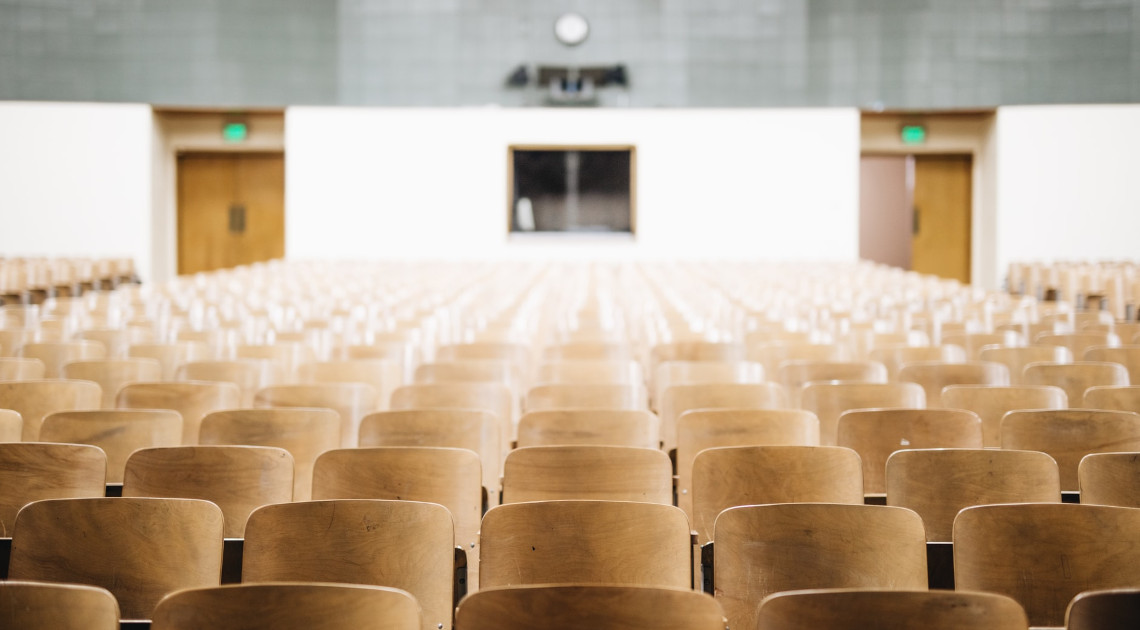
pixel 1067 435
pixel 894 357
pixel 603 427
pixel 382 374
pixel 304 433
pixel 695 351
pixel 1128 356
pixel 112 374
pixel 11 426
pixel 45 606
pixel 991 403
pixel 351 402
pixel 1078 343
pixel 34 471
pixel 859 609
pixel 1118 398
pixel 20 369
pixel 401 351
pixel 13 340
pixel 492 397
pixel 773 355
pixel 596 473
pixel 470 371
pixel 1016 358
pixel 588 351
pixel 1075 378
pixel 935 375
pixel 1043 554
pixel 238 479
pixel 288 356
pixel 726 477
pixel 795 374
pixel 938 483
pixel 171 355
pixel 407 545
pixel 681 398
pixel 587 396
pixel 191 399
pixel 1110 479
pixel 974 343
pixel 1113 609
pixel 116 340
pixel 580 606
pixel 55 354
pixel 670 373
pixel 139 549
pixel 250 375
pixel 119 432
pixel 517 354
pixel 580 372
pixel 828 401
pixel 764 549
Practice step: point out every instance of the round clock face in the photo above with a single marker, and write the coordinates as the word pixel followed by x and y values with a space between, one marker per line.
pixel 571 29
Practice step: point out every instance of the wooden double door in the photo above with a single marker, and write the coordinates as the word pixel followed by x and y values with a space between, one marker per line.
pixel 231 209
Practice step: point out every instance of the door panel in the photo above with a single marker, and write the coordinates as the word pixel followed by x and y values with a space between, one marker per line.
pixel 942 193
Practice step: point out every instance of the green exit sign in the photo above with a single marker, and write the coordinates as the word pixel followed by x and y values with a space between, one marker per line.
pixel 913 134
pixel 235 132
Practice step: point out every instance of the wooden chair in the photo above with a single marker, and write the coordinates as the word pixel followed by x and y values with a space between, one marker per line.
pixel 696 351
pixel 1075 378
pixel 35 399
pixel 587 542
pixel 877 433
pixel 34 471
pixel 580 606
pixel 1069 434
pixel 400 544
pixel 593 396
pixel 1043 555
pixel 382 374
pixel 991 403
pixel 1110 479
pixel 289 605
pixel 596 473
pixel 20 369
pixel 764 549
pixel 12 340
pixel 305 433
pixel 249 375
pixel 55 354
pixel 938 483
pixel 974 343
pixel 1117 398
pixel 934 375
pixel 1128 356
pixel 11 426
pixel 732 476
pixel 515 353
pixel 191 399
pixel 473 429
pixel 351 402
pixel 601 427
pixel 858 609
pixel 43 606
pixel 895 356
pixel 171 355
pixel 119 432
pixel 1017 358
pixel 1117 609
pixel 709 428
pixel 470 371
pixel 1078 343
pixel 585 372
pixel 830 400
pixel 795 374
pixel 139 549
pixel 113 374
pixel 289 356
pixel 773 355
pixel 450 477
pixel 672 373
pixel 681 398
pixel 238 479
pixel 588 351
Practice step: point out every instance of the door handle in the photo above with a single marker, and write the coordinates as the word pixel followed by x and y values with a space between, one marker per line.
pixel 237 218
pixel 915 225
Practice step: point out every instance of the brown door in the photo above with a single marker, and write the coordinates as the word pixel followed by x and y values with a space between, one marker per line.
pixel 231 210
pixel 940 244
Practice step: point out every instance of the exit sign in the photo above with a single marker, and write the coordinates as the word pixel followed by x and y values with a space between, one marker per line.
pixel 913 134
pixel 235 132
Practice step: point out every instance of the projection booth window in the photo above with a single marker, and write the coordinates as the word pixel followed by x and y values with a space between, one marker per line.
pixel 572 189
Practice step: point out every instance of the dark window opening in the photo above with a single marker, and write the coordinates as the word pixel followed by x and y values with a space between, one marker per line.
pixel 572 190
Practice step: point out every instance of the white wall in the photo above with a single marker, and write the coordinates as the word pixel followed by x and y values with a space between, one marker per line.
pixel 75 180
pixel 1068 185
pixel 376 183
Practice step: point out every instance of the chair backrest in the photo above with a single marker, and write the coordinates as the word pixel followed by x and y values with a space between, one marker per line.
pixel 21 369
pixel 170 355
pixel 119 432
pixel 828 401
pixel 765 549
pixel 473 429
pixel 289 605
pixel 1043 555
pixel 1116 398
pixel 672 373
pixel 732 476
pixel 238 479
pixel 287 355
pixel 1016 358
pixel 992 402
pixel 696 351
pixel 382 374
pixel 192 399
pixel 139 549
pixel 516 353
pixel 305 433
pixel 597 473
pixel 470 371
pixel 1075 378
pixel 938 483
pixel 857 609
pixel 603 427
pixel 1115 609
pixel 681 398
pixel 11 426
pixel 34 471
pixel 775 354
pixel 589 542
pixel 1067 435
pixel 113 374
pixel 492 397
pixel 35 399
pixel 1128 356
pixel 895 356
pixel 351 402
pixel 934 375
pixel 44 606
pixel 1078 343
pixel 794 374
pixel 974 343
pixel 588 396
pixel 577 606
pixel 401 544
pixel 1110 479
pixel 587 351
pixel 709 428
pixel 55 354
pixel 616 372
pixel 877 433
pixel 250 375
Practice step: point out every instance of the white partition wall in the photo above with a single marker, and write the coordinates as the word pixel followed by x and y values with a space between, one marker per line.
pixel 371 183
pixel 75 180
